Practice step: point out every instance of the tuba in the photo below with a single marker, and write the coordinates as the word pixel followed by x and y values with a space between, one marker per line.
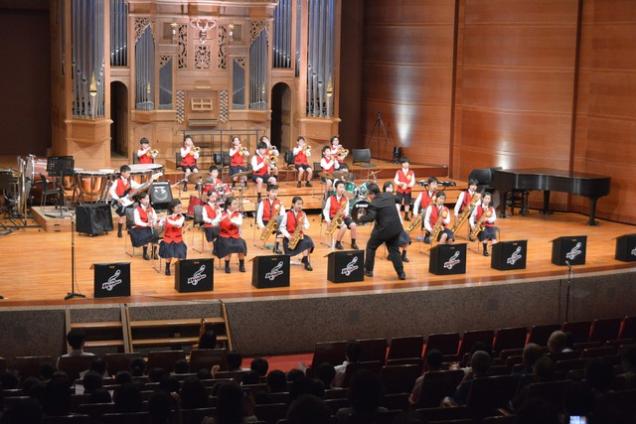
pixel 337 220
pixel 271 226
pixel 479 225
pixel 297 235
pixel 439 225
pixel 466 212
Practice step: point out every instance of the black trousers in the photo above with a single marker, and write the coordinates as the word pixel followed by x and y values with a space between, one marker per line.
pixel 392 244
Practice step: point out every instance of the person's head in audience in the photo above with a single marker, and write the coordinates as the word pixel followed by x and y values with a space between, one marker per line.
pixel 156 374
pixel 8 381
pixel 531 353
pixel 234 361
pixel 365 392
pixel 25 411
pixel 250 377
pixel 99 366
pixel 46 372
pixel 325 372
pixel 543 369
pixel 480 363
pixel 481 346
pixel 204 374
pixel 159 407
pixel 599 374
pixel 91 381
pixel 193 394
pixel 308 409
pixel 306 386
pixel 100 396
pixel 137 367
pixel 260 365
pixel 294 374
pixel 207 340
pixel 169 384
pixel 181 367
pixel 578 399
pixel 434 360
pixel 537 411
pixel 61 377
pixel 123 377
pixel 76 339
pixel 276 381
pixel 557 341
pixel 230 408
pixel 34 388
pixel 127 398
pixel 353 351
pixel 57 398
pixel 628 360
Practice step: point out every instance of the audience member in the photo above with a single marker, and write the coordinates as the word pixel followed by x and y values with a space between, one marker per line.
pixel 599 374
pixel 137 367
pixel 479 367
pixel 250 377
pixel 100 396
pixel 155 375
pixel 234 361
pixel 57 397
pixel 181 367
pixel 231 406
pixel 295 374
pixel 25 411
pixel 159 408
pixel 98 365
pixel 91 382
pixel 351 357
pixel 365 395
pixel 260 365
pixel 434 361
pixel 123 377
pixel 193 394
pixel 308 409
pixel 127 398
pixel 325 372
pixel 207 340
pixel 558 343
pixel 535 411
pixel 531 353
pixel 276 382
pixel 76 339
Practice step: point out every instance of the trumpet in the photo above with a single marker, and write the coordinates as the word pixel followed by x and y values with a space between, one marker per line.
pixel 307 150
pixel 153 153
pixel 244 152
pixel 341 153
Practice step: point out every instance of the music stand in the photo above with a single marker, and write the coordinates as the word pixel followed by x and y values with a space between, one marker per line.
pixel 59 167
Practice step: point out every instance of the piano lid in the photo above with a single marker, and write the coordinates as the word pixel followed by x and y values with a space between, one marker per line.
pixel 554 173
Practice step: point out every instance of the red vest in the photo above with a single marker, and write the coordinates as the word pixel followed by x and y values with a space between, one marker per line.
pixel 330 169
pixel 122 187
pixel 227 228
pixel 426 200
pixel 188 160
pixel 404 178
pixel 292 221
pixel 210 212
pixel 143 215
pixel 301 158
pixel 237 159
pixel 436 214
pixel 335 205
pixel 211 186
pixel 263 170
pixel 145 159
pixel 468 198
pixel 171 233
pixel 479 213
pixel 268 209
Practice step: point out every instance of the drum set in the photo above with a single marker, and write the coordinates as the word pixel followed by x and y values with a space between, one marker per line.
pixel 357 195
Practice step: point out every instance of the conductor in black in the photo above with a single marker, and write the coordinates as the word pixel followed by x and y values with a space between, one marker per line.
pixel 386 230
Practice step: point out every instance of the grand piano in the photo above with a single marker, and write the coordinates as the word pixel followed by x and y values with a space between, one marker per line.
pixel 589 185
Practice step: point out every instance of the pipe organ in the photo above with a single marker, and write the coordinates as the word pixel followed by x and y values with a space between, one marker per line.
pixel 184 65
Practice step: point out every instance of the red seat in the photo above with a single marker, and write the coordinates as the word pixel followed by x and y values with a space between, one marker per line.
pixel 509 338
pixel 206 358
pixel 29 366
pixel 540 334
pixel 596 352
pixel 399 378
pixel 446 343
pixel 628 328
pixel 164 359
pixel 406 347
pixel 579 331
pixel 471 337
pixel 116 362
pixel 372 350
pixel 74 365
pixel 353 368
pixel 605 329
pixel 330 352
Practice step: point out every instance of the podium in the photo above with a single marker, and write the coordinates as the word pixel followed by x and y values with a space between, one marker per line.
pixel 111 280
pixel 447 259
pixel 345 266
pixel 194 275
pixel 507 255
pixel 626 248
pixel 270 271
pixel 569 249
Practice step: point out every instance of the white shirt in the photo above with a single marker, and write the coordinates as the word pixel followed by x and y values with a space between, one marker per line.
pixel 460 201
pixel 134 185
pixel 186 150
pixel 327 208
pixel 473 217
pixel 411 182
pixel 234 150
pixel 213 221
pixel 283 225
pixel 152 217
pixel 259 212
pixel 142 152
pixel 255 165
pixel 328 163
pixel 299 149
pixel 176 222
pixel 427 217
pixel 418 202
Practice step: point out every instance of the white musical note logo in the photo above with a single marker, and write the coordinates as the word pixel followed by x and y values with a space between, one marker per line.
pixel 514 258
pixel 113 281
pixel 450 263
pixel 197 276
pixel 634 251
pixel 275 272
pixel 351 267
pixel 576 251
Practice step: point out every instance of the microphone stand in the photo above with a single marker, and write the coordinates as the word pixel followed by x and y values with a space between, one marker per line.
pixel 567 290
pixel 73 294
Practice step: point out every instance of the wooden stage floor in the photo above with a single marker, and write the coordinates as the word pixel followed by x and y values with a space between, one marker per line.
pixel 36 265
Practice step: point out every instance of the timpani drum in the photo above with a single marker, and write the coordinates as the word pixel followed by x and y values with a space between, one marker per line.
pixel 141 172
pixel 93 185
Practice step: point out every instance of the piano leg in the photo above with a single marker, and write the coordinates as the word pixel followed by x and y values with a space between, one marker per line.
pixel 592 220
pixel 504 203
pixel 546 202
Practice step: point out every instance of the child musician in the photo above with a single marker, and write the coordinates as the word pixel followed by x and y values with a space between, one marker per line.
pixel 301 162
pixel 425 198
pixel 237 160
pixel 145 218
pixel 404 240
pixel 435 212
pixel 271 151
pixel 212 181
pixel 189 156
pixel 294 217
pixel 329 165
pixel 120 194
pixel 335 148
pixel 211 216
pixel 229 240
pixel 333 204
pixel 172 245
pixel 404 182
pixel 466 197
pixel 144 153
pixel 260 169
pixel 489 231
pixel 268 209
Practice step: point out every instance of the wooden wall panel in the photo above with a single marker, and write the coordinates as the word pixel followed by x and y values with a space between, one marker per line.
pixel 605 132
pixel 407 77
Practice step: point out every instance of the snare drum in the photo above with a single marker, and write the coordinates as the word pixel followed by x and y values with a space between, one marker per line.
pixel 93 185
pixel 141 172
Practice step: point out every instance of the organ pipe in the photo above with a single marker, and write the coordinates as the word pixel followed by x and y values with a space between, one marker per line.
pixel 282 35
pixel 118 33
pixel 320 50
pixel 258 71
pixel 145 70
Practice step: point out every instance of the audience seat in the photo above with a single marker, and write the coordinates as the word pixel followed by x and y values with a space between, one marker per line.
pixel 29 366
pixel 372 350
pixel 116 362
pixel 164 359
pixel 353 368
pixel 489 393
pixel 509 338
pixel 399 378
pixel 334 404
pixel 436 385
pixel 595 352
pixel 74 365
pixel 628 328
pixel 406 347
pixel 443 414
pixel 396 401
pixel 206 358
pixel 270 413
pixel 67 419
pixel 195 416
pixel 469 339
pixel 604 329
pixel 540 334
pixel 552 392
pixel 126 418
pixel 96 410
pixel 446 343
pixel 579 332
pixel 330 352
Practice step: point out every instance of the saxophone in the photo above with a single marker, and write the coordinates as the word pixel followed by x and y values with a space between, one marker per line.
pixel 439 225
pixel 297 235
pixel 479 225
pixel 466 212
pixel 337 220
pixel 271 226
pixel 417 222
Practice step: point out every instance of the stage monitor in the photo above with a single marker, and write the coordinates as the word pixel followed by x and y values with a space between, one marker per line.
pixel 160 195
pixel 361 156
